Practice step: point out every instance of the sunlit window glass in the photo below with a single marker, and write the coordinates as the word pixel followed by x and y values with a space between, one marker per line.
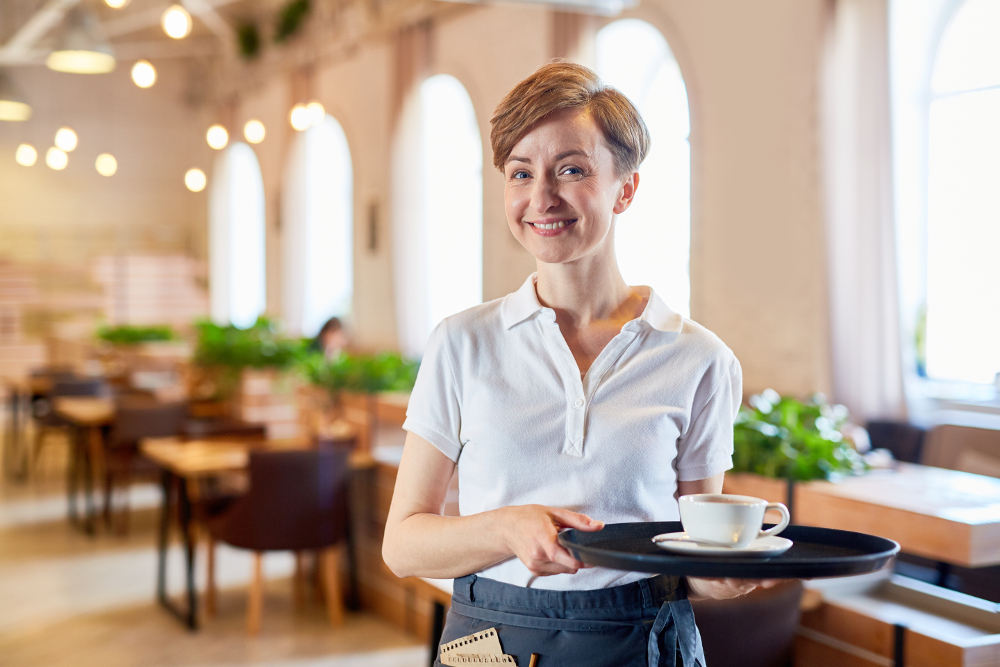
pixel 236 237
pixel 653 238
pixel 963 199
pixel 318 214
pixel 438 184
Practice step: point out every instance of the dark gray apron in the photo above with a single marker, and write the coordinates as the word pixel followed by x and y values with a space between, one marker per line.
pixel 648 623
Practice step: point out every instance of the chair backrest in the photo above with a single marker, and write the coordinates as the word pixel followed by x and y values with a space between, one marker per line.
pixel 297 501
pixel 79 387
pixel 964 448
pixel 201 428
pixel 904 440
pixel 139 418
pixel 756 630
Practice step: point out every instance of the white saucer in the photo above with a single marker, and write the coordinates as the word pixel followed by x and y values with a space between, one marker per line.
pixel 762 546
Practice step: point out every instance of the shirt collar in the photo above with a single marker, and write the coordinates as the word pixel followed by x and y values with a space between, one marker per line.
pixel 520 305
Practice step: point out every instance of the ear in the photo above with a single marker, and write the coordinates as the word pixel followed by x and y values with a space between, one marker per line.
pixel 627 193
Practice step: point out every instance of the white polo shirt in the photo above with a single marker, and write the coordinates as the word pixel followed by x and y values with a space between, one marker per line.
pixel 499 392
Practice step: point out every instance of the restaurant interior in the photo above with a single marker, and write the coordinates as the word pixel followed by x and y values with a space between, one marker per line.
pixel 228 227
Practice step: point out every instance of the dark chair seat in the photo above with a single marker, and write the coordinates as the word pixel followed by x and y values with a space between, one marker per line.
pixel 755 630
pixel 297 501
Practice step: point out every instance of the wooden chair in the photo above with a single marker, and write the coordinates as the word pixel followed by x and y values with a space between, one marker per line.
pixel 297 502
pixel 46 420
pixel 975 450
pixel 136 417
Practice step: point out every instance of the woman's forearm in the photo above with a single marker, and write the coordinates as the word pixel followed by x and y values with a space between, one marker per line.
pixel 445 547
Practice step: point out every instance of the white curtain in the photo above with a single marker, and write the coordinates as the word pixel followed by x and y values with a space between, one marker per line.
pixel 861 231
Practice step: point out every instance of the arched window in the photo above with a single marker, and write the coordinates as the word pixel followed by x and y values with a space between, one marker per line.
pixel 236 238
pixel 653 238
pixel 318 229
pixel 438 210
pixel 963 199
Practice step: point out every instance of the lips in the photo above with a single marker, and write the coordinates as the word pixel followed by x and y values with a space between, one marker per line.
pixel 551 228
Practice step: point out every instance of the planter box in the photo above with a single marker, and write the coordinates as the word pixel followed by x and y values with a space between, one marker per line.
pixel 270 398
pixel 758 486
pixel 874 620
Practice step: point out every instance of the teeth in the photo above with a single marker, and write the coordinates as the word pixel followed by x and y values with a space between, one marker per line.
pixel 554 225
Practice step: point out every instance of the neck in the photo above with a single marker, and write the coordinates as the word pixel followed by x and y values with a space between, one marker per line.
pixel 587 289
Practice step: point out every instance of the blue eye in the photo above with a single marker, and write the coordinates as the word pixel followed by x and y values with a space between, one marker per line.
pixel 572 170
pixel 519 175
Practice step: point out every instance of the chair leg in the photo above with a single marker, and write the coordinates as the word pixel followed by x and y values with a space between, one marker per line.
pixel 210 605
pixel 330 559
pixel 299 581
pixel 256 606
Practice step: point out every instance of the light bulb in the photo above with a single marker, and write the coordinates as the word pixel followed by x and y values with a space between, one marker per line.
pixel 26 155
pixel 106 164
pixel 217 137
pixel 56 159
pixel 116 4
pixel 316 113
pixel 66 139
pixel 143 73
pixel 176 22
pixel 254 131
pixel 299 117
pixel 195 180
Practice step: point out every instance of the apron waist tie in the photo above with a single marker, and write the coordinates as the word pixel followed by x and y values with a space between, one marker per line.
pixel 675 627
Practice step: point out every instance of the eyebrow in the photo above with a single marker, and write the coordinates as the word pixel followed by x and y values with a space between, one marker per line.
pixel 561 156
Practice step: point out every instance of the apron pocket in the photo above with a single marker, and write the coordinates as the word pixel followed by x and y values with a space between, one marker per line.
pixel 559 642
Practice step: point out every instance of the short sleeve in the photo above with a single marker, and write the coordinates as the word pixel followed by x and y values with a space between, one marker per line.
pixel 434 410
pixel 707 447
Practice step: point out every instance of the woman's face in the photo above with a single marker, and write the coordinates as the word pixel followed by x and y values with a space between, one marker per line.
pixel 561 191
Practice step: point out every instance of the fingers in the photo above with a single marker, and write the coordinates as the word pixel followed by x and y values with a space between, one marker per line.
pixel 575 520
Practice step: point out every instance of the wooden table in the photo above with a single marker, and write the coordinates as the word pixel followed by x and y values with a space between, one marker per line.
pixel 944 515
pixel 184 466
pixel 86 415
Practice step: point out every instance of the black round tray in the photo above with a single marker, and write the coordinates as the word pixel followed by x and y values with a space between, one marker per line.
pixel 816 552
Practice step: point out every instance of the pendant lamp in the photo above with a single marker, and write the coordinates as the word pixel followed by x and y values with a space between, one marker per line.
pixel 13 105
pixel 82 47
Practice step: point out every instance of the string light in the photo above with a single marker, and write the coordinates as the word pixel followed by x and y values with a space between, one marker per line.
pixel 106 164
pixel 217 137
pixel 66 139
pixel 176 22
pixel 143 73
pixel 56 159
pixel 195 180
pixel 26 155
pixel 316 113
pixel 299 117
pixel 254 131
pixel 116 4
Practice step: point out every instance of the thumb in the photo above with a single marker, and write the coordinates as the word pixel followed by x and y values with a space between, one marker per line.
pixel 576 520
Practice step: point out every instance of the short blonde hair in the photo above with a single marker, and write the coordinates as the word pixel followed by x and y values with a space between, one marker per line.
pixel 561 85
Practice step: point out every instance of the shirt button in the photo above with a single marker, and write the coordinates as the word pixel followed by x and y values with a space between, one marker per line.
pixel 578 403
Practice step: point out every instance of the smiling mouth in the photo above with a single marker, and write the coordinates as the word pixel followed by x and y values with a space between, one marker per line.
pixel 553 225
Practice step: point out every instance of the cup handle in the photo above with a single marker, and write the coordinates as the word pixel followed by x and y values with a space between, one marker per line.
pixel 786 518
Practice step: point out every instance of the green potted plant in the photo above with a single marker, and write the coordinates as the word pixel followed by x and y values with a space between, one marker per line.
pixel 780 439
pixel 251 369
pixel 345 387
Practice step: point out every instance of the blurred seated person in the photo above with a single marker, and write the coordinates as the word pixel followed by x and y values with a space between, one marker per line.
pixel 331 339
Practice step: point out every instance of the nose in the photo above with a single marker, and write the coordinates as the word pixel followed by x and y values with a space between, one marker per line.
pixel 545 194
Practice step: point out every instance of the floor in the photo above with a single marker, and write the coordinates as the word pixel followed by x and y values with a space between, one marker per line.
pixel 69 599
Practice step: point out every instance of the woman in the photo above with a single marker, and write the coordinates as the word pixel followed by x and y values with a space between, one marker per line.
pixel 575 401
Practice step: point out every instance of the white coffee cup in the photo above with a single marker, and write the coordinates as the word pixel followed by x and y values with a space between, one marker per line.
pixel 728 520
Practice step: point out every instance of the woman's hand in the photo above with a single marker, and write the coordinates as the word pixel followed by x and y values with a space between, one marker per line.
pixel 531 531
pixel 723 589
